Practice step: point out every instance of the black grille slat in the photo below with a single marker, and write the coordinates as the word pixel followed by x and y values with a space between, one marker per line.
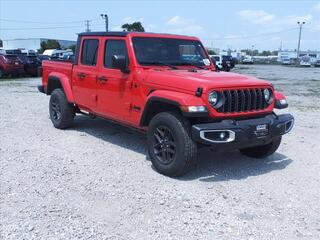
pixel 236 101
pixel 229 101
pixel 260 99
pixel 254 94
pixel 249 99
pixel 243 100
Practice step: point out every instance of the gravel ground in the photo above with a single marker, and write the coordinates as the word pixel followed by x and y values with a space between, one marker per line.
pixel 94 182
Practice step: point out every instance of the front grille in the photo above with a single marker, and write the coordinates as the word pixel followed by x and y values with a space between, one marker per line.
pixel 242 100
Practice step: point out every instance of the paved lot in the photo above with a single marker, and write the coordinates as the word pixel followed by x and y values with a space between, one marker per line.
pixel 94 182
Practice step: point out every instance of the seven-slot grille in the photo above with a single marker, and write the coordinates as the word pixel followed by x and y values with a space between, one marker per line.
pixel 243 100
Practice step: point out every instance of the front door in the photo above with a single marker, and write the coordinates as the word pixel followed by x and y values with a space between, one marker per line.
pixel 113 85
pixel 85 75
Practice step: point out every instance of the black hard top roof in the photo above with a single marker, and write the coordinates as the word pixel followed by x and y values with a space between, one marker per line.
pixel 122 34
pixel 116 34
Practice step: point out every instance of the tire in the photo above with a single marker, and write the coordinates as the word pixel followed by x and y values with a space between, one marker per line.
pixel 61 112
pixel 170 147
pixel 262 151
pixel 1 73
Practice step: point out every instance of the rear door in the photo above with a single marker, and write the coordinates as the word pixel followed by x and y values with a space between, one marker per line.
pixel 114 87
pixel 85 74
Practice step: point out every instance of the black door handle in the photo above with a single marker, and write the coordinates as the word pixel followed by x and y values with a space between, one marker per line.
pixel 81 75
pixel 102 79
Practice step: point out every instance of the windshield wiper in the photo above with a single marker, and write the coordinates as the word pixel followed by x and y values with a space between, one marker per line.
pixel 159 63
pixel 189 64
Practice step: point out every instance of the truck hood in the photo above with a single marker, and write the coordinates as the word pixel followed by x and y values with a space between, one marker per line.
pixel 189 81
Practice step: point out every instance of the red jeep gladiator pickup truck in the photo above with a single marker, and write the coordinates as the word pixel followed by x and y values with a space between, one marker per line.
pixel 167 86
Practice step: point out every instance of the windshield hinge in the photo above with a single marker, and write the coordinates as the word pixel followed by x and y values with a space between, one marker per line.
pixel 199 91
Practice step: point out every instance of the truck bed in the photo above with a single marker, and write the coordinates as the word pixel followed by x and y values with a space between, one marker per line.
pixel 56 67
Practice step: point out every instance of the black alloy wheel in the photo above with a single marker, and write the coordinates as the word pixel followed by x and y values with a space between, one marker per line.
pixel 61 112
pixel 55 109
pixel 164 147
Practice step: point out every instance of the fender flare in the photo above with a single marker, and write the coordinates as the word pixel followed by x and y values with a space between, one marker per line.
pixel 279 95
pixel 176 99
pixel 183 99
pixel 65 83
pixel 280 101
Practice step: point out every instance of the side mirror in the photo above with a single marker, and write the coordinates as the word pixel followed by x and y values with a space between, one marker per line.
pixel 120 62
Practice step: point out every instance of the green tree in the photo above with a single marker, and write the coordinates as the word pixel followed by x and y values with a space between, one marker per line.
pixel 251 52
pixel 1 43
pixel 265 53
pixel 211 52
pixel 133 27
pixel 49 44
pixel 274 53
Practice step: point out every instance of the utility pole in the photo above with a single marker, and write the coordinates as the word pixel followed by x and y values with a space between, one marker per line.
pixel 105 17
pixel 88 26
pixel 300 29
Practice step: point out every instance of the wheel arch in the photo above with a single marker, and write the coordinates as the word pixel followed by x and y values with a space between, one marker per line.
pixel 156 105
pixel 164 101
pixel 60 81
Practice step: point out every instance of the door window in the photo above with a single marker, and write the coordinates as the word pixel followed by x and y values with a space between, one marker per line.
pixel 114 47
pixel 89 52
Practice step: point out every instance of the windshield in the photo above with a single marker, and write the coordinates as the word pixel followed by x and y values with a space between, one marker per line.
pixel 11 57
pixel 150 51
pixel 227 58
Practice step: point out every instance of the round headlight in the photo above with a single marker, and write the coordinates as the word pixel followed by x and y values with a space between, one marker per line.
pixel 213 98
pixel 267 95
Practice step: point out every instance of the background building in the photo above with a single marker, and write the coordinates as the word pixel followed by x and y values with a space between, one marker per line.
pixel 293 54
pixel 32 43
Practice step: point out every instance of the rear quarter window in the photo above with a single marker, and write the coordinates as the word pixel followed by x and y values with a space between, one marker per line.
pixel 89 52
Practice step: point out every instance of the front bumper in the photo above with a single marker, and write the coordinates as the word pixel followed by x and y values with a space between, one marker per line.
pixel 242 133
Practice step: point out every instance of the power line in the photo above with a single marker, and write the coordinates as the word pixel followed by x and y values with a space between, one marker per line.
pixel 37 22
pixel 35 28
pixel 39 28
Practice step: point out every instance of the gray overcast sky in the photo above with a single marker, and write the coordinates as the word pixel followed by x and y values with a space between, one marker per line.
pixel 222 24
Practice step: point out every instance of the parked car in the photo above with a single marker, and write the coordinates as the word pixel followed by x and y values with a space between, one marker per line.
pixel 2 51
pixel 42 57
pixel 31 64
pixel 68 58
pixel 57 53
pixel 304 63
pixel 223 62
pixel 286 61
pixel 10 64
pixel 227 62
pixel 247 60
pixel 235 60
pixel 217 59
pixel 13 51
pixel 143 80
